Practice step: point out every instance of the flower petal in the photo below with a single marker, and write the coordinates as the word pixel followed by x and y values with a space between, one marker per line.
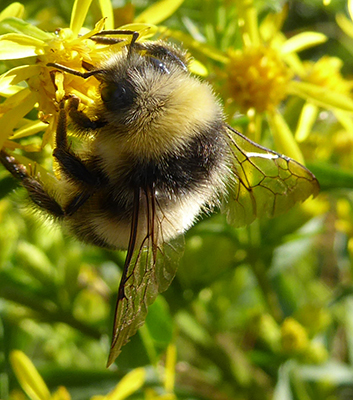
pixel 159 11
pixel 350 8
pixel 129 384
pixel 345 24
pixel 13 10
pixel 61 394
pixel 306 121
pixel 320 95
pixel 29 378
pixel 25 103
pixel 15 46
pixel 169 379
pixel 10 90
pixel 107 12
pixel 18 74
pixel 303 41
pixel 272 24
pixel 283 137
pixel 196 67
pixel 345 120
pixel 30 128
pixel 78 15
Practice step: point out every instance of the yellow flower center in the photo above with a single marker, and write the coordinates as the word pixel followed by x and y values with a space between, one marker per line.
pixel 257 78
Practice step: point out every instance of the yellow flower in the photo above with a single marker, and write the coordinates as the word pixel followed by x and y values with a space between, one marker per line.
pixel 293 336
pixel 257 78
pixel 266 70
pixel 70 47
pixel 36 389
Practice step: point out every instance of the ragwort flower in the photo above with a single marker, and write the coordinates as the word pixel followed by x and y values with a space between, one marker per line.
pixel 259 75
pixel 262 73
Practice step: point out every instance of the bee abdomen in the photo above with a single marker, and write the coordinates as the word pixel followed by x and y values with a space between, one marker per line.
pixel 186 169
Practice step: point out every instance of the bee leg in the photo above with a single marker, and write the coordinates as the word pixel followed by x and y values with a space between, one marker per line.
pixel 70 163
pixel 35 189
pixel 81 118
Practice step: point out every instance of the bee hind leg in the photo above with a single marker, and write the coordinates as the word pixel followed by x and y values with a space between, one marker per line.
pixel 35 189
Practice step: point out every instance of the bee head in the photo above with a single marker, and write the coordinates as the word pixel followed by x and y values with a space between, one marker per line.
pixel 149 96
pixel 137 87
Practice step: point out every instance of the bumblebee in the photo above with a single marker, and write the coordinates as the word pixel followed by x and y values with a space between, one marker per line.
pixel 155 156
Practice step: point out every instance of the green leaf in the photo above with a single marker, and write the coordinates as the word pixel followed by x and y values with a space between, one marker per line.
pixel 16 25
pixel 331 176
pixel 159 322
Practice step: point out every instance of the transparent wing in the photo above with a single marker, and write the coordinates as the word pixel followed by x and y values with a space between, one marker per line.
pixel 265 183
pixel 149 269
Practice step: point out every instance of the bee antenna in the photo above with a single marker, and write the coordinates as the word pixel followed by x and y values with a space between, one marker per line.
pixel 100 37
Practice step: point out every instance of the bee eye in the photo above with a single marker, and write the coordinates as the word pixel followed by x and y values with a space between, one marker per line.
pixel 117 97
pixel 158 65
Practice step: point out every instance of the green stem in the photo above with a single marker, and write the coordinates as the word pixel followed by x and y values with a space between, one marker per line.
pixel 47 310
pixel 259 269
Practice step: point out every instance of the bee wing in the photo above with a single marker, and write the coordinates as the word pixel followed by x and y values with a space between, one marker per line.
pixel 150 267
pixel 265 183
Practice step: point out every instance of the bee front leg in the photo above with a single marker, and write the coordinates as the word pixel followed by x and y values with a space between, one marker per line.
pixel 70 163
pixel 81 118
